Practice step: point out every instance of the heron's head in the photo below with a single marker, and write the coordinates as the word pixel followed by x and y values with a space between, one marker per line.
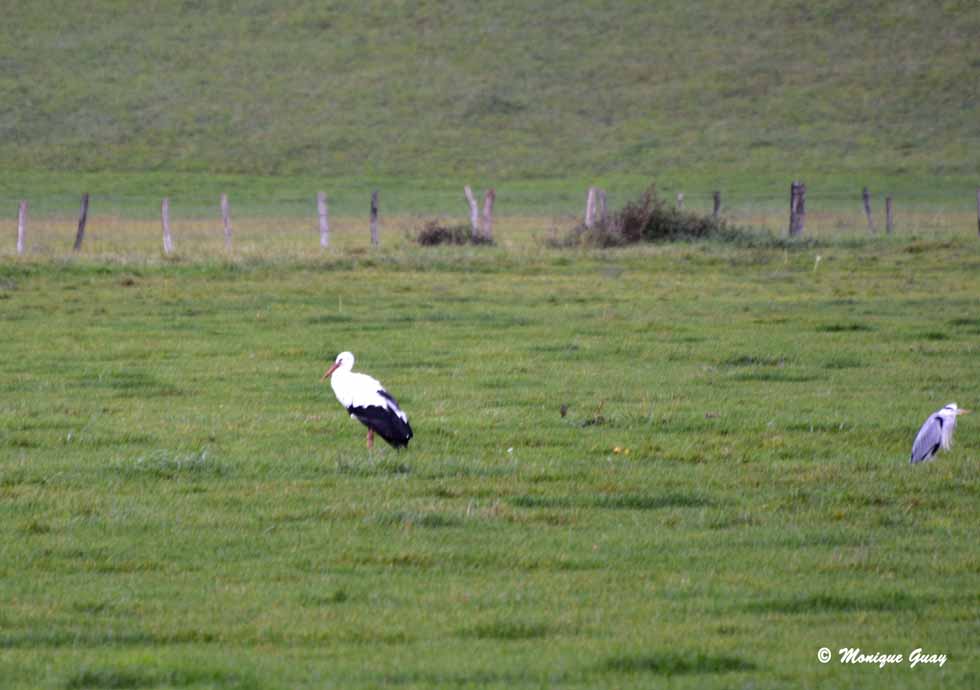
pixel 955 410
pixel 344 362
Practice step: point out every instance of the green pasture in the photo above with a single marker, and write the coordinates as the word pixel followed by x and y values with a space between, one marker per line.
pixel 168 96
pixel 184 505
pixel 666 466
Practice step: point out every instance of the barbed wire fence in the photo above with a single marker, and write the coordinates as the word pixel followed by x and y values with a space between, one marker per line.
pixel 63 224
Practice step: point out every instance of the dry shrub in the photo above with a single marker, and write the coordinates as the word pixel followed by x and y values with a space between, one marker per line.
pixel 650 219
pixel 433 234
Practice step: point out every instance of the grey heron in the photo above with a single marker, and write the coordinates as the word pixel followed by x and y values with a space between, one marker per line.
pixel 936 433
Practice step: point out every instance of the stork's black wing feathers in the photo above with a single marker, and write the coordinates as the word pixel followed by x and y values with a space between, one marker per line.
pixel 387 396
pixel 384 422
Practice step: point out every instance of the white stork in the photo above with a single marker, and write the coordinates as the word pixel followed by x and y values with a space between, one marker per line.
pixel 936 433
pixel 368 402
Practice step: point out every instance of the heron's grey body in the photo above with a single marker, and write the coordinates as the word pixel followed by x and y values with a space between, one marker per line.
pixel 936 433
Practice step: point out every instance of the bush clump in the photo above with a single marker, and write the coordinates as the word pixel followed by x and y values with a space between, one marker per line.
pixel 650 219
pixel 434 233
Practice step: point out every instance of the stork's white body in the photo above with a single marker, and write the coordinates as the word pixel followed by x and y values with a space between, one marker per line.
pixel 367 401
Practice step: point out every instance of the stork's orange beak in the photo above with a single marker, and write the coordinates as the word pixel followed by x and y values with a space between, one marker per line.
pixel 330 371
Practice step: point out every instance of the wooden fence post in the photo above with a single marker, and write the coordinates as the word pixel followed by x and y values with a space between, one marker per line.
pixel 797 208
pixel 716 201
pixel 488 200
pixel 889 217
pixel 474 210
pixel 21 226
pixel 226 219
pixel 82 219
pixel 793 191
pixel 801 209
pixel 600 206
pixel 680 201
pixel 866 198
pixel 321 212
pixel 168 244
pixel 978 210
pixel 374 218
pixel 590 208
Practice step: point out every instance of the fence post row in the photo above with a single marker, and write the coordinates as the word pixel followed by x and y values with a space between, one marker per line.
pixel 168 245
pixel 21 226
pixel 374 218
pixel 82 219
pixel 321 212
pixel 595 209
pixel 226 219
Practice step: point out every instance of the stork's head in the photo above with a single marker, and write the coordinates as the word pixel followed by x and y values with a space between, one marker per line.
pixel 344 362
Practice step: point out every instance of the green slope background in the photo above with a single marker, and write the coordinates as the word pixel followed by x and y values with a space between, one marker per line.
pixel 272 97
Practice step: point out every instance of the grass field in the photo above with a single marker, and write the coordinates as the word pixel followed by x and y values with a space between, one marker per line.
pixel 185 506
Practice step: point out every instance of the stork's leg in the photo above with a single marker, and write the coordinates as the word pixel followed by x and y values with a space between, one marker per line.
pixel 370 439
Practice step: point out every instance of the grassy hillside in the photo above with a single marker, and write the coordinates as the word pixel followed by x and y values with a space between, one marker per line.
pixel 697 94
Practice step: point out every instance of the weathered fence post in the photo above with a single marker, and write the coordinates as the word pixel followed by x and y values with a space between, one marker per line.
pixel 488 200
pixel 590 207
pixel 600 206
pixel 866 198
pixel 801 209
pixel 21 226
pixel 793 192
pixel 474 210
pixel 374 218
pixel 716 201
pixel 680 201
pixel 889 217
pixel 226 219
pixel 797 208
pixel 168 244
pixel 82 219
pixel 321 212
